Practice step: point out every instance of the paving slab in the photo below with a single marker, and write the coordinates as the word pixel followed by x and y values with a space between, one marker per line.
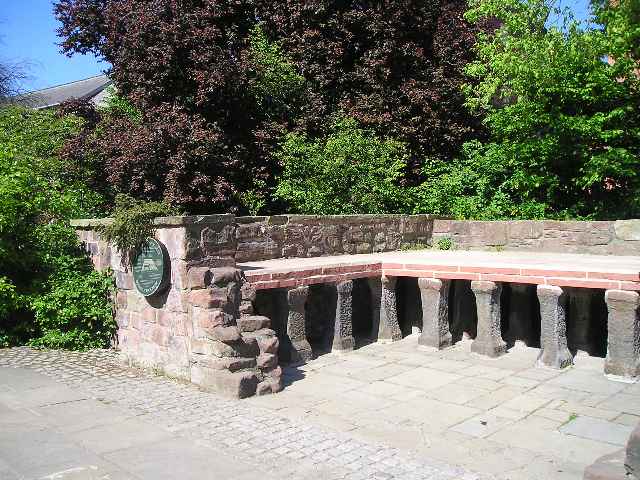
pixel 598 429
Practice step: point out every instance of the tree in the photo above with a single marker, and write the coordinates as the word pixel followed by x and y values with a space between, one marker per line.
pixel 202 76
pixel 219 84
pixel 564 124
pixel 11 74
pixel 395 67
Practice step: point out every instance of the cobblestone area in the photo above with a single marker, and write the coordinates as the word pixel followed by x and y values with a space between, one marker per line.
pixel 280 445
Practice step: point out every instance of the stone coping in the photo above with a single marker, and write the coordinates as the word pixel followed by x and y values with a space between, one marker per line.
pixel 166 222
pixel 294 218
pixel 563 270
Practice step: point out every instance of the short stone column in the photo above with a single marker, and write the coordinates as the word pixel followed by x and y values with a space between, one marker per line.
pixel 343 330
pixel 434 294
pixel 488 340
pixel 521 311
pixel 389 326
pixel 554 352
pixel 296 331
pixel 623 343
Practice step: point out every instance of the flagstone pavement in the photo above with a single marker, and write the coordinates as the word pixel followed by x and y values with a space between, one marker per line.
pixel 383 411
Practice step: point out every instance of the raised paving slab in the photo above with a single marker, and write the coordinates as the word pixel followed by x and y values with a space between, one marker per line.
pixel 151 414
pixel 540 268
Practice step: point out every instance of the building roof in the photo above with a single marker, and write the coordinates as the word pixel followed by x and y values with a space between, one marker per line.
pixel 92 89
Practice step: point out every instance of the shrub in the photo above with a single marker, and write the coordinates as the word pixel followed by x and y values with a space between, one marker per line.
pixel 350 171
pixel 46 280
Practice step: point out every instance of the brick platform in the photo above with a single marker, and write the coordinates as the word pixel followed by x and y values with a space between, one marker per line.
pixel 560 281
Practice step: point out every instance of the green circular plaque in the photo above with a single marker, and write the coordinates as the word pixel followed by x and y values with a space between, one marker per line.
pixel 151 268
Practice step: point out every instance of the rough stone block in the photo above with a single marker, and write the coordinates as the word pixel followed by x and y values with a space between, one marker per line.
pixel 207 298
pixel 225 334
pixel 632 456
pixel 124 281
pixel 608 467
pixel 627 229
pixel 251 323
pixel 266 360
pixel 199 277
pixel 224 276
pixel 521 230
pixel 233 384
pixel 268 344
pixel 248 292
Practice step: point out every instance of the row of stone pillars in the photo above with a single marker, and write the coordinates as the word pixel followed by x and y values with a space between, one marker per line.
pixel 623 342
pixel 623 352
pixel 384 320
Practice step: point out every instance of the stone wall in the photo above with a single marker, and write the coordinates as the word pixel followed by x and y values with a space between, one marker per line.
pixel 621 237
pixel 280 236
pixel 201 328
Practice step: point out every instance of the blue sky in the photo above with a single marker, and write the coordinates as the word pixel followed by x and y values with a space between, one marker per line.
pixel 28 35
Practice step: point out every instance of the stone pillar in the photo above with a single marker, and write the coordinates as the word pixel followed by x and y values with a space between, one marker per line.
pixel 434 294
pixel 375 288
pixel 520 314
pixel 296 331
pixel 389 327
pixel 554 352
pixel 488 341
pixel 623 350
pixel 343 330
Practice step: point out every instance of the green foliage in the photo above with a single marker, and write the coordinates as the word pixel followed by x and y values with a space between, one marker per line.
pixel 275 80
pixel 119 106
pixel 444 243
pixel 350 171
pixel 564 124
pixel 75 312
pixel 255 199
pixel 39 251
pixel 133 224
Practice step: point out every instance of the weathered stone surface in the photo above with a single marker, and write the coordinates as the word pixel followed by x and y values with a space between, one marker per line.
pixel 632 453
pixel 268 344
pixel 434 294
pixel 207 298
pixel 627 229
pixel 124 281
pixel 389 326
pixel 623 352
pixel 554 352
pixel 300 349
pixel 343 328
pixel 234 384
pixel 251 323
pixel 488 340
pixel 224 276
pixel 267 360
pixel 225 334
pixel 608 467
pixel 199 277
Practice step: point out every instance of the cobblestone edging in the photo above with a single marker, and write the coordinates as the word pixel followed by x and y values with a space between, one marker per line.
pixel 279 445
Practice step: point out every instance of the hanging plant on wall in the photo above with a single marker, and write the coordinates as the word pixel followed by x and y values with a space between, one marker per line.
pixel 133 224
